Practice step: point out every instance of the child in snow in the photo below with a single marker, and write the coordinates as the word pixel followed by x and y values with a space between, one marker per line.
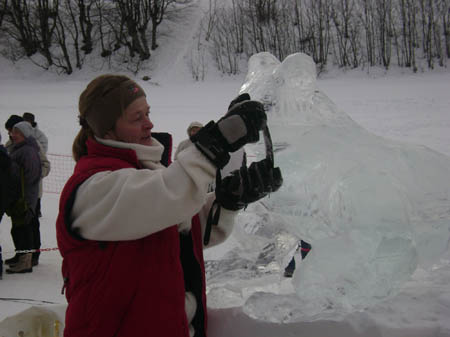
pixel 130 230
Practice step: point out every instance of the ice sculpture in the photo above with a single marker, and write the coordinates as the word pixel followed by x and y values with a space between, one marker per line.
pixel 372 208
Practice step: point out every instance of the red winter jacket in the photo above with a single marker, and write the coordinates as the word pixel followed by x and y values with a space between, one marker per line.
pixel 127 288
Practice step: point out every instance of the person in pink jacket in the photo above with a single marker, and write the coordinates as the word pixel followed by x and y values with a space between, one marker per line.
pixel 129 229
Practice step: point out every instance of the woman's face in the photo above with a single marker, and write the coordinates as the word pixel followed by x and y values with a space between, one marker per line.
pixel 134 126
pixel 16 136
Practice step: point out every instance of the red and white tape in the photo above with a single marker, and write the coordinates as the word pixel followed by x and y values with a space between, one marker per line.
pixel 32 250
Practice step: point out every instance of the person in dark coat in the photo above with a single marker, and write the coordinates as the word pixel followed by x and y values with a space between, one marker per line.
pixel 28 130
pixel 26 168
pixel 12 120
pixel 5 164
pixel 9 187
pixel 9 191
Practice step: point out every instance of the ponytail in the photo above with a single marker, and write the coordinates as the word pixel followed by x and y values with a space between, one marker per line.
pixel 79 148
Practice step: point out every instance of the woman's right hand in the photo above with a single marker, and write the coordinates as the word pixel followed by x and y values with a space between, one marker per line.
pixel 240 125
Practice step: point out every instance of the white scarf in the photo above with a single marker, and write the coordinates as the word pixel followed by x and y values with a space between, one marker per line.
pixel 148 155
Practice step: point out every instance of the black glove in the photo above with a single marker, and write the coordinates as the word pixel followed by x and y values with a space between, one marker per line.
pixel 242 187
pixel 247 185
pixel 240 125
pixel 240 98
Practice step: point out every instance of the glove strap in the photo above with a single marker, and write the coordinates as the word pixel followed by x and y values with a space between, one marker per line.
pixel 214 212
pixel 213 219
pixel 210 142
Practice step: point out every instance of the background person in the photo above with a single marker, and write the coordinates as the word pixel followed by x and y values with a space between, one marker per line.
pixel 42 140
pixel 26 168
pixel 12 120
pixel 8 189
pixel 40 137
pixel 45 169
pixel 27 129
pixel 192 129
pixel 6 195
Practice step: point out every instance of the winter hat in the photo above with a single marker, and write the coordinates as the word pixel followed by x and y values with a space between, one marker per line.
pixel 25 128
pixel 29 117
pixel 104 100
pixel 12 120
pixel 193 125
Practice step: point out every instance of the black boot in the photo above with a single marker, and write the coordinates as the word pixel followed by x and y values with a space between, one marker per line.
pixel 12 260
pixel 16 237
pixel 35 224
pixel 288 272
pixel 22 266
pixel 35 259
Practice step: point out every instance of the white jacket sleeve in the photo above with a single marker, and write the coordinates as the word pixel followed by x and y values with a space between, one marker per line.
pixel 221 231
pixel 182 146
pixel 129 204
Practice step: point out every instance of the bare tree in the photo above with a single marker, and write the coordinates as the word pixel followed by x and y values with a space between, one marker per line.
pixel 369 28
pixel 384 24
pixel 70 21
pixel 318 13
pixel 157 11
pixel 104 21
pixel 427 16
pixel 445 12
pixel 209 20
pixel 85 23
pixel 303 35
pixel 135 18
pixel 347 31
pixel 3 7
pixel 408 12
pixel 440 27
pixel 197 61
pixel 47 16
pixel 20 26
pixel 63 62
